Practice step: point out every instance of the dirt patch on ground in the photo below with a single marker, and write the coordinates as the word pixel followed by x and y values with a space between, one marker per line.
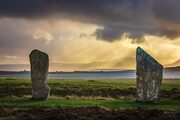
pixel 85 113
pixel 102 92
pixel 173 93
pixel 20 90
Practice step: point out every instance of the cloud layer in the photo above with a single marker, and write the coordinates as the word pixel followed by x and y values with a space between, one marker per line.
pixel 74 32
pixel 115 18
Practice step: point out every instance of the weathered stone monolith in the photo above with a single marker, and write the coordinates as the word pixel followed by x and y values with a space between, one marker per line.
pixel 149 76
pixel 39 72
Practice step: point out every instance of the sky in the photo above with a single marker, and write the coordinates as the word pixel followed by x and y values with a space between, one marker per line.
pixel 89 34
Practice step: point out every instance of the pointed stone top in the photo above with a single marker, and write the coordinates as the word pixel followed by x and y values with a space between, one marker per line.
pixel 147 60
pixel 139 50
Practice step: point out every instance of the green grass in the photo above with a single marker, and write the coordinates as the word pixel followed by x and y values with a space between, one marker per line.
pixel 83 84
pixel 165 104
pixel 118 83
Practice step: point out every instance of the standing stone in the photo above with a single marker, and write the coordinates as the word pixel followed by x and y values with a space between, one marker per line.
pixel 149 76
pixel 39 72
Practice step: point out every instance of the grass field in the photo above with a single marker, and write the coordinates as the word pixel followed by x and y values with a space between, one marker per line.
pixel 105 93
pixel 167 84
pixel 165 104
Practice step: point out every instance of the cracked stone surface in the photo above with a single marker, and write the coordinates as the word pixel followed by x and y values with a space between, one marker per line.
pixel 39 72
pixel 149 76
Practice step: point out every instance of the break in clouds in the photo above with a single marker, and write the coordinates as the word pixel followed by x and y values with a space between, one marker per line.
pixel 115 18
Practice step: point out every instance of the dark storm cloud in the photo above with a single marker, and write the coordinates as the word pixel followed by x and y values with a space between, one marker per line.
pixel 135 18
pixel 167 10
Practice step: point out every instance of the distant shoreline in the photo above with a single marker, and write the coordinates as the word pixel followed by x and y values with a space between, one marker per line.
pixel 167 69
pixel 28 72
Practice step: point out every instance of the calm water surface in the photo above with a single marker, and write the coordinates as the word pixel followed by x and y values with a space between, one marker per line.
pixel 128 74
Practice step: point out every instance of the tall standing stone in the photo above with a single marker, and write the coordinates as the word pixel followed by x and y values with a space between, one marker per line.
pixel 39 72
pixel 149 76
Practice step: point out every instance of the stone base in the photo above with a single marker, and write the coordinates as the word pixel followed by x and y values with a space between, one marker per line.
pixel 42 93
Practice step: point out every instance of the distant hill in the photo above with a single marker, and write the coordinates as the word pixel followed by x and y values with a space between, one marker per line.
pixel 176 63
pixel 177 68
pixel 94 66
pixel 68 67
pixel 109 65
